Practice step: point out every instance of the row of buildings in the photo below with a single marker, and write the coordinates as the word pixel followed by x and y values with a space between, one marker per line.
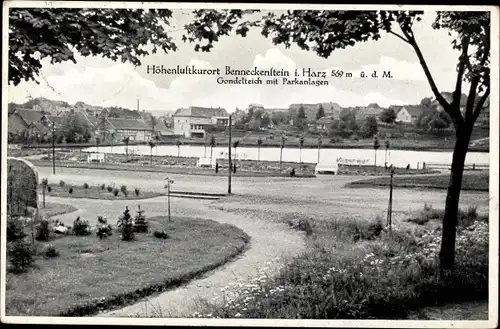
pixel 192 122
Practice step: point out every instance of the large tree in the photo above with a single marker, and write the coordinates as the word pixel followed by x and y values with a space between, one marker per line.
pixel 59 33
pixel 324 31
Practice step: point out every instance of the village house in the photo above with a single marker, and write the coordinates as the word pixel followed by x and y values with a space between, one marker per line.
pixel 116 129
pixel 324 123
pixel 410 114
pixel 194 120
pixel 372 110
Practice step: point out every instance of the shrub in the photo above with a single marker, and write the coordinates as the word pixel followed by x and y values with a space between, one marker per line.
pixel 70 191
pixel 140 222
pixel 123 188
pixel 81 227
pixel 160 234
pixel 50 251
pixel 42 230
pixel 109 188
pixel 15 229
pixel 126 225
pixel 49 189
pixel 136 191
pixel 103 228
pixel 85 185
pixel 20 255
pixel 62 183
pixel 103 186
pixel 115 192
pixel 305 225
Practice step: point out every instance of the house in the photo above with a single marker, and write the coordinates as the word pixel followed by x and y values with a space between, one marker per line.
pixel 324 123
pixel 193 121
pixel 372 110
pixel 113 129
pixel 16 124
pixel 411 113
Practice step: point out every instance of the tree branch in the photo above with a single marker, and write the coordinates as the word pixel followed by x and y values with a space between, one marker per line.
pixel 457 94
pixel 399 36
pixel 480 104
pixel 454 113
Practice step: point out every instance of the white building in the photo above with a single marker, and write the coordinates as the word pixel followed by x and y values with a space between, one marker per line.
pixel 193 121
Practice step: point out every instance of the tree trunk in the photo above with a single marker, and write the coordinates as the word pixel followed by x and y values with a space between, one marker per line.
pixel 43 197
pixel 126 153
pixel 375 160
pixel 300 157
pixel 281 159
pixel 447 252
pixel 151 157
pixel 258 155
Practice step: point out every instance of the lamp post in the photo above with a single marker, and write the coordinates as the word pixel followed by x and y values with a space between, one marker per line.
pixel 229 158
pixel 167 186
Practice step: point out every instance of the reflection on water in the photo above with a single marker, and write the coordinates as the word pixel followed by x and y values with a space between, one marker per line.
pixel 399 158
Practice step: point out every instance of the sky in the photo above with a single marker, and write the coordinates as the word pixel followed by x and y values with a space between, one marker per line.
pixel 99 81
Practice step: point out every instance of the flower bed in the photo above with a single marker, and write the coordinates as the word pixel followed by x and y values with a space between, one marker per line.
pixel 385 278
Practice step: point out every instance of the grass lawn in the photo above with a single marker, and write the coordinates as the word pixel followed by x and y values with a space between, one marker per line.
pixel 380 170
pixel 91 274
pixel 97 192
pixel 53 209
pixel 471 182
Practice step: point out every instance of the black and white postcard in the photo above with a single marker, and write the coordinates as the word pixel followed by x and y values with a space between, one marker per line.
pixel 249 164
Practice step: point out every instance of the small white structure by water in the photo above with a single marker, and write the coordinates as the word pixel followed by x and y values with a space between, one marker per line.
pixel 205 162
pixel 326 168
pixel 96 157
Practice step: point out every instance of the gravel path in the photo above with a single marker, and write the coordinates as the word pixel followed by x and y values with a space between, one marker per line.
pixel 322 198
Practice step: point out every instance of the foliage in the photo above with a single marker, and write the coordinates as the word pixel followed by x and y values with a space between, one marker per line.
pixel 388 116
pixel 21 187
pixel 49 188
pixel 102 186
pixel 50 251
pixel 109 188
pixel 15 229
pixel 126 225
pixel 160 234
pixel 321 112
pixel 124 190
pixel 62 183
pixel 42 230
pixel 384 278
pixel 140 222
pixel 369 128
pixel 75 129
pixel 70 190
pixel 136 191
pixel 376 143
pixel 85 185
pixel 103 229
pixel 347 124
pixel 115 192
pixel 20 255
pixel 57 33
pixel 81 227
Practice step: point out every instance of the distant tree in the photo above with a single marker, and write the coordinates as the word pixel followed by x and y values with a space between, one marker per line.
pixel 153 123
pixel 387 145
pixel 126 141
pixel 301 144
pixel 320 141
pixel 426 102
pixel 376 146
pixel 212 145
pixel 282 146
pixel 178 143
pixel 151 144
pixel 73 125
pixel 347 123
pixel 388 116
pixel 255 124
pixel 259 144
pixel 118 34
pixel 370 127
pixel 280 117
pixel 235 145
pixel 321 112
pixel 266 120
pixel 301 118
